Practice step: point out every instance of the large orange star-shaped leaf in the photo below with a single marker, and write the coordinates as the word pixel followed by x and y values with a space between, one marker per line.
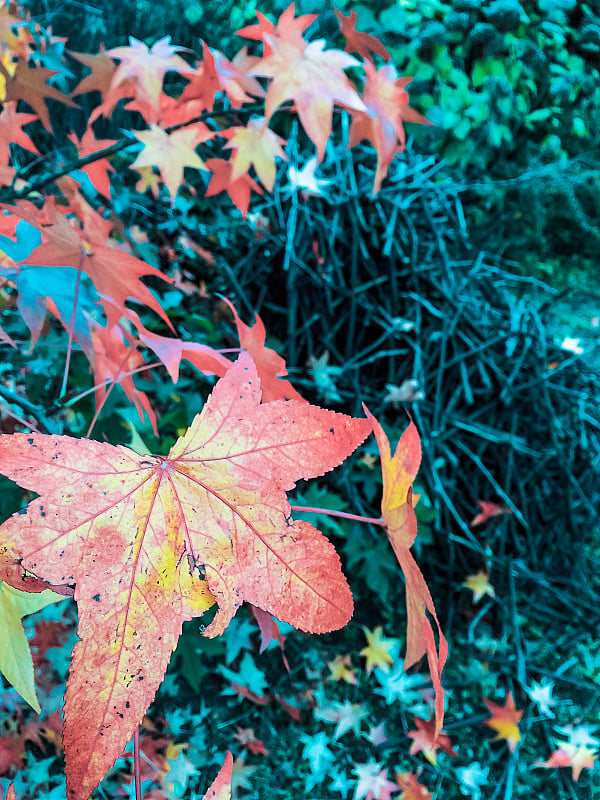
pixel 152 541
pixel 171 152
pixel 505 721
pixel 314 78
pixel 400 521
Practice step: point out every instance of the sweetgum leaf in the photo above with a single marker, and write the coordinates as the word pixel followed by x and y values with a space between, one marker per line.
pixel 151 541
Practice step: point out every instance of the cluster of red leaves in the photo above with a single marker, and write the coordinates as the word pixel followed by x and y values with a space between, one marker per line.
pixel 151 541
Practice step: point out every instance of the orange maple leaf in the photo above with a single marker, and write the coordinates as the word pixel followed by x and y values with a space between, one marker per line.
pixel 29 84
pixel 171 152
pixel 217 74
pixel 254 145
pixel 151 541
pixel 411 788
pixel 386 109
pixel 238 190
pixel 504 721
pixel 400 521
pixel 270 365
pixel 103 68
pixel 98 170
pixel 11 131
pixel 114 355
pixel 314 79
pixel 115 274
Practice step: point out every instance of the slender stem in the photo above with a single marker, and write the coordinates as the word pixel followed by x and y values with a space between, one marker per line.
pixel 63 388
pixel 80 396
pixel 343 514
pixel 144 367
pixel 137 771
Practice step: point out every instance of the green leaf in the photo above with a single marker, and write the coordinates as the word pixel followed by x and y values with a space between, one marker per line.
pixel 16 663
pixel 394 19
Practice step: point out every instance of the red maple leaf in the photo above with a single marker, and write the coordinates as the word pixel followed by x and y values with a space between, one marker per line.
pixel 357 41
pixel 238 190
pixel 488 510
pixel 289 27
pixel 98 170
pixel 426 740
pixel 249 741
pixel 151 541
pixel 218 74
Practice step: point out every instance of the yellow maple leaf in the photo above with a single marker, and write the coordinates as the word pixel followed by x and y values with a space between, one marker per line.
pixel 479 585
pixel 170 153
pixel 340 669
pixel 255 145
pixel 378 651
